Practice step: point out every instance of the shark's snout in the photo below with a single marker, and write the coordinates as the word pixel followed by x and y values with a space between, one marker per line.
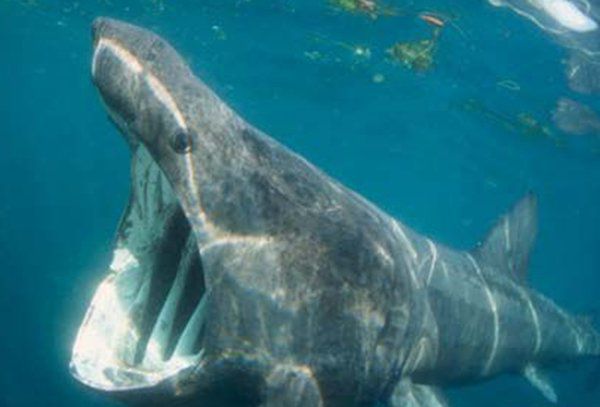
pixel 139 78
pixel 97 25
pixel 109 27
pixel 115 71
pixel 100 22
pixel 113 34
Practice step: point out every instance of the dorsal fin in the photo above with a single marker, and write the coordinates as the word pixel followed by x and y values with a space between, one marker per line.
pixel 507 246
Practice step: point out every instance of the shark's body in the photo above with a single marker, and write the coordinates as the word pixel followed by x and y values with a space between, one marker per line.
pixel 244 275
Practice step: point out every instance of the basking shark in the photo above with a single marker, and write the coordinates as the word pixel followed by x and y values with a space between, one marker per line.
pixel 244 275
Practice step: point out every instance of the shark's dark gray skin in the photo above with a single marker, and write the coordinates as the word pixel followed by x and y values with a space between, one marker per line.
pixel 243 275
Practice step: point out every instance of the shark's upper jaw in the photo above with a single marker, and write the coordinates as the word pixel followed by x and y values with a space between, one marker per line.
pixel 144 325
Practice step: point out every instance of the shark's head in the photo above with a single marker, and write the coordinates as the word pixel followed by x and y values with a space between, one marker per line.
pixel 139 78
pixel 233 255
pixel 144 333
pixel 152 96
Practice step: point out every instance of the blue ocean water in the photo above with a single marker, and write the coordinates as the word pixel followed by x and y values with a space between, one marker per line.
pixel 446 151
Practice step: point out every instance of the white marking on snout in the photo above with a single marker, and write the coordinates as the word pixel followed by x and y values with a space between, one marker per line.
pixel 126 57
pixel 162 94
pixel 135 66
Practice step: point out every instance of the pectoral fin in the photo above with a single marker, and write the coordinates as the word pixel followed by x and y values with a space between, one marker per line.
pixel 538 380
pixel 408 394
pixel 292 386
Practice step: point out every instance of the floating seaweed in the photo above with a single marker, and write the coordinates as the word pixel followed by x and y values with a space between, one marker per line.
pixel 371 8
pixel 419 55
pixel 523 123
pixel 583 73
pixel 529 125
pixel 439 21
pixel 575 118
pixel 432 19
pixel 416 55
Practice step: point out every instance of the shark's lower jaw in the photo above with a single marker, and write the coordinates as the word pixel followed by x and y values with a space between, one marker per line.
pixel 144 325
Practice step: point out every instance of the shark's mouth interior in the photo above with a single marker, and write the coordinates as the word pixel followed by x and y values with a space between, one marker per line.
pixel 144 325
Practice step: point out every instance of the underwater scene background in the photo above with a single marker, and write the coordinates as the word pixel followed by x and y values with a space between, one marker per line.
pixel 445 143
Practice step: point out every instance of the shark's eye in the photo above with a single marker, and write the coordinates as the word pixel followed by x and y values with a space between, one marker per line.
pixel 181 142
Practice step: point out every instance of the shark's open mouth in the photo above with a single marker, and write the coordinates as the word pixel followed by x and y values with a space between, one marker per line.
pixel 144 325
